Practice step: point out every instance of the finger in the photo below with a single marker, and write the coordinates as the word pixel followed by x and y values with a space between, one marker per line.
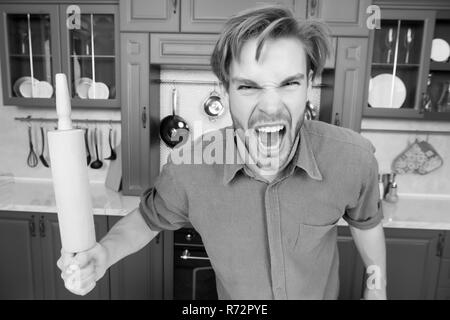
pixel 65 259
pixel 80 287
pixel 82 273
pixel 82 259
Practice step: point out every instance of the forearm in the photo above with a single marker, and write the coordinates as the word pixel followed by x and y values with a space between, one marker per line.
pixel 372 248
pixel 127 236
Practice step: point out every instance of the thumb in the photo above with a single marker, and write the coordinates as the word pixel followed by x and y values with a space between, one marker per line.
pixel 81 259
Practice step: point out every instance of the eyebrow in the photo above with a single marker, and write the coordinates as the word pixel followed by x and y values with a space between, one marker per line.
pixel 298 76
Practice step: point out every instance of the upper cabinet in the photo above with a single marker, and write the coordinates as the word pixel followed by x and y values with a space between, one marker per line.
pixel 42 40
pixel 409 70
pixel 150 16
pixel 209 16
pixel 345 17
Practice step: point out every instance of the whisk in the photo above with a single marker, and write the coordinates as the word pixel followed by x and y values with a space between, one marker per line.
pixel 32 159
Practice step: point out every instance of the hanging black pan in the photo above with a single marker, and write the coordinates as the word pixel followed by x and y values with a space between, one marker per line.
pixel 174 130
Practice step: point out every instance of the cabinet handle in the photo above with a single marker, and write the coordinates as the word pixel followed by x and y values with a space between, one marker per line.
pixel 174 4
pixel 187 255
pixel 144 118
pixel 158 237
pixel 312 8
pixel 42 227
pixel 32 227
pixel 440 245
pixel 337 121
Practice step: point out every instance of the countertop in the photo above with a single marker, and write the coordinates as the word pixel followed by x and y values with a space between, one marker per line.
pixel 411 211
pixel 38 196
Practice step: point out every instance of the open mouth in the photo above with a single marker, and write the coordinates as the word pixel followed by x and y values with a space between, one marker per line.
pixel 270 138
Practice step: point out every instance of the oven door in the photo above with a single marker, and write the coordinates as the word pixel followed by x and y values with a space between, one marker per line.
pixel 194 278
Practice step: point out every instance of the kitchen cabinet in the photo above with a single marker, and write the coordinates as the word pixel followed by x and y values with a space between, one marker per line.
pixel 209 16
pixel 348 82
pixel 51 252
pixel 443 291
pixel 345 17
pixel 21 260
pixel 412 263
pixel 30 247
pixel 43 39
pixel 139 276
pixel 140 115
pixel 400 55
pixel 146 16
pixel 351 267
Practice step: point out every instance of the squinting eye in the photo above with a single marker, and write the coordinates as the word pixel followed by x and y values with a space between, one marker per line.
pixel 292 83
pixel 246 87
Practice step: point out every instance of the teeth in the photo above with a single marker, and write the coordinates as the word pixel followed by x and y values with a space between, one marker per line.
pixel 270 129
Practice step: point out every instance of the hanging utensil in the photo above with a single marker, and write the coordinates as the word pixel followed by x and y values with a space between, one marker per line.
pixel 113 155
pixel 32 159
pixel 97 164
pixel 213 105
pixel 174 129
pixel 86 143
pixel 42 157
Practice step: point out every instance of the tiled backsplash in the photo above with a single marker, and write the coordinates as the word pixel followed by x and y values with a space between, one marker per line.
pixel 14 139
pixel 390 145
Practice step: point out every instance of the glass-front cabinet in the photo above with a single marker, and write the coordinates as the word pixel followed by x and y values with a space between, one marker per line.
pixel 408 76
pixel 399 55
pixel 41 40
pixel 91 50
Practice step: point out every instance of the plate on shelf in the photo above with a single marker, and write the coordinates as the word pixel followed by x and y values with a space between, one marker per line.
pixel 18 84
pixel 440 50
pixel 380 88
pixel 82 86
pixel 98 90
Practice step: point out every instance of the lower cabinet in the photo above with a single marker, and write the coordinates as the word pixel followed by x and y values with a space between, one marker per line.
pixel 412 265
pixel 30 246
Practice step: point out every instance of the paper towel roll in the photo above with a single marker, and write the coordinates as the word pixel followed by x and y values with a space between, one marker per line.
pixel 71 185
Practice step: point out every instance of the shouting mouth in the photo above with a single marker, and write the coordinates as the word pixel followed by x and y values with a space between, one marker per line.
pixel 270 138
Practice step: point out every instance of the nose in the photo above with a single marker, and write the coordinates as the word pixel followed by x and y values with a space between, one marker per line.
pixel 270 101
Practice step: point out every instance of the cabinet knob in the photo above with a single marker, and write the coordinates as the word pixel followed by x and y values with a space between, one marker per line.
pixel 32 226
pixel 144 117
pixel 174 4
pixel 42 227
pixel 313 8
pixel 189 237
pixel 337 121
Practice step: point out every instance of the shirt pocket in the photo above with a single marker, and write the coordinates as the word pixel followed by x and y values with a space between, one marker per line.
pixel 313 239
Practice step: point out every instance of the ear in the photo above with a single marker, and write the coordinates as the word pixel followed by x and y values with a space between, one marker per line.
pixel 310 77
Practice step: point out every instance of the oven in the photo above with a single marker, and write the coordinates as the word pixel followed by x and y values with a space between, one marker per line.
pixel 194 278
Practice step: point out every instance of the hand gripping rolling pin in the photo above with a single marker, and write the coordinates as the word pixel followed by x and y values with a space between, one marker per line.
pixel 70 177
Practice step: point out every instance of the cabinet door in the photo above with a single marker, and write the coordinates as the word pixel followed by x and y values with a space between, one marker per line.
pixel 351 58
pixel 90 55
pixel 345 17
pixel 412 263
pixel 28 71
pixel 20 267
pixel 209 16
pixel 48 231
pixel 400 60
pixel 140 114
pixel 351 267
pixel 140 275
pixel 150 16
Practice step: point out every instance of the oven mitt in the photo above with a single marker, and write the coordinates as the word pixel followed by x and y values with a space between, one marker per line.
pixel 420 157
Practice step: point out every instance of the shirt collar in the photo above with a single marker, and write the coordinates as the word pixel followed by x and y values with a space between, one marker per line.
pixel 305 159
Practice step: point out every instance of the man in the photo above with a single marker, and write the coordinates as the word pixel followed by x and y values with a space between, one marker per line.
pixel 268 218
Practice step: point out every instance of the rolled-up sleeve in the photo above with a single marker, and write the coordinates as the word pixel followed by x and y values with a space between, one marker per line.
pixel 367 212
pixel 165 205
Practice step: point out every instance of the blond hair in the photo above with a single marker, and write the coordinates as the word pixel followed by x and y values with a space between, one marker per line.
pixel 269 22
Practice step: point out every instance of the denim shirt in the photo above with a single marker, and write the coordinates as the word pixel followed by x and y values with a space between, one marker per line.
pixel 273 240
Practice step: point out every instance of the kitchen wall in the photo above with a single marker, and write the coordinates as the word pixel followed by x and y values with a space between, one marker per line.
pixel 388 145
pixel 14 139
